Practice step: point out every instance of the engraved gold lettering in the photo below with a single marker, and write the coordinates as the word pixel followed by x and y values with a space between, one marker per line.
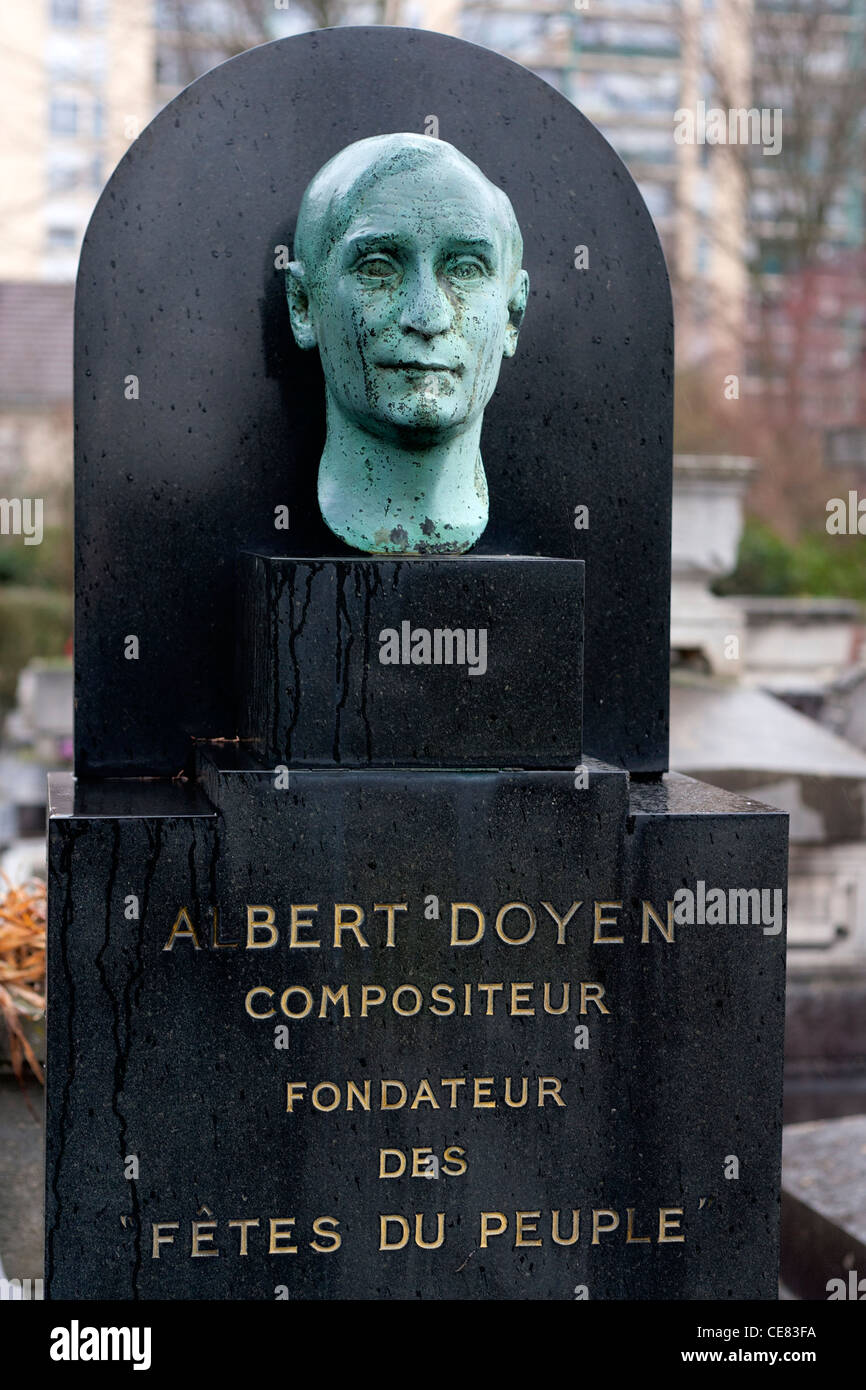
pixel 330 997
pixel 526 1225
pixel 454 1162
pixel 363 1095
pixel 298 923
pixel 414 992
pixel 384 1222
pixel 318 1103
pixel 456 938
pixel 669 1221
pixel 202 1234
pixel 419 1162
pixel 515 1104
pixel 549 1086
pixel 575 1228
pixel 520 999
pixel 296 989
pixel 489 1229
pixel 326 1228
pixel 443 994
pixel 598 1229
pixel 371 994
pixel 259 989
pixel 179 933
pixel 384 1103
pixel 215 937
pixel 491 990
pixel 294 1091
pixel 385 1155
pixel 391 909
pixel 630 1237
pixel 453 1082
pixel 261 919
pixel 566 998
pixel 419 1232
pixel 649 914
pixel 480 1101
pixel 592 994
pixel 500 924
pixel 424 1093
pixel 281 1231
pixel 340 925
pixel 602 921
pixel 561 922
pixel 159 1238
pixel 244 1226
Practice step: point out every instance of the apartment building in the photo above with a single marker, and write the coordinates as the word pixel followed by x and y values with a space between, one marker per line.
pixel 76 78
pixel 80 78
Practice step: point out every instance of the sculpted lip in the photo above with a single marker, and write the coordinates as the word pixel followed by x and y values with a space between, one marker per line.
pixel 422 367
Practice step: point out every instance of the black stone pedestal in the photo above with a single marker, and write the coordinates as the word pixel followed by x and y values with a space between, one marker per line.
pixel 472 661
pixel 400 1034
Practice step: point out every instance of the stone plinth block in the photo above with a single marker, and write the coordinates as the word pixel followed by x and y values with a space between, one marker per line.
pixel 460 661
pixel 404 1034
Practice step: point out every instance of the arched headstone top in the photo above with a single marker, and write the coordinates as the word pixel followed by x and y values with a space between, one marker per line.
pixel 200 422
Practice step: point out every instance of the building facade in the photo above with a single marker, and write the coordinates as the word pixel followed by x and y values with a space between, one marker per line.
pixel 80 78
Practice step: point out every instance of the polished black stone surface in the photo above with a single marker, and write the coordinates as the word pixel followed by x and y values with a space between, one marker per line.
pixel 484 661
pixel 181 468
pixel 153 1054
pixel 236 1062
pixel 115 798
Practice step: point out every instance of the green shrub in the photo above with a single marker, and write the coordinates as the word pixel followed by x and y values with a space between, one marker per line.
pixel 33 622
pixel 817 566
pixel 48 565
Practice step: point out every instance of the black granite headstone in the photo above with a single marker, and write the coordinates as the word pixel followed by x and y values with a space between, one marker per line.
pixel 403 993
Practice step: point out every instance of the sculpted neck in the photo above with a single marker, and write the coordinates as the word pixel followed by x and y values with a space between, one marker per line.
pixel 387 499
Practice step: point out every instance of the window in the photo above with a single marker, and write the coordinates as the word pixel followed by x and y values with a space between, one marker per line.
pixel 634 38
pixel 65 12
pixel 631 93
pixel 63 68
pixel 659 198
pixel 98 120
pixel 62 178
pixel 553 76
pixel 169 66
pixel 62 238
pixel 642 144
pixel 63 116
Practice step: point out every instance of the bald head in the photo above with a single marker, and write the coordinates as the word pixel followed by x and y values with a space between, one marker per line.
pixel 336 191
pixel 407 280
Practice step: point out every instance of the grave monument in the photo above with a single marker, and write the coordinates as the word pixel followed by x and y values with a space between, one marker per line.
pixel 385 959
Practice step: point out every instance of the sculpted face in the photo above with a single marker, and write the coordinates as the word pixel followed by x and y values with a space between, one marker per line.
pixel 418 323
pixel 408 281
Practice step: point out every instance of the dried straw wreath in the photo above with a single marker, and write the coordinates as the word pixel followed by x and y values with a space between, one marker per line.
pixel 22 967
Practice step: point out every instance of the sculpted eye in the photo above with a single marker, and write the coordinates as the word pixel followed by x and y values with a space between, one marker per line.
pixel 376 268
pixel 466 269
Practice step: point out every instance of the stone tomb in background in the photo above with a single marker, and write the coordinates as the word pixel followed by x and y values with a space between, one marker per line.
pixel 415 984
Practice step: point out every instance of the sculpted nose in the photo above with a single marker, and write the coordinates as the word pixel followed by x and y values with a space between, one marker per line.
pixel 427 308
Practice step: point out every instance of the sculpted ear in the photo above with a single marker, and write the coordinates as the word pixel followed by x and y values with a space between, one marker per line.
pixel 300 308
pixel 516 310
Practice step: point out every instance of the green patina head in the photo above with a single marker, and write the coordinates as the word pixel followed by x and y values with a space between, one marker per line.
pixel 407 278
